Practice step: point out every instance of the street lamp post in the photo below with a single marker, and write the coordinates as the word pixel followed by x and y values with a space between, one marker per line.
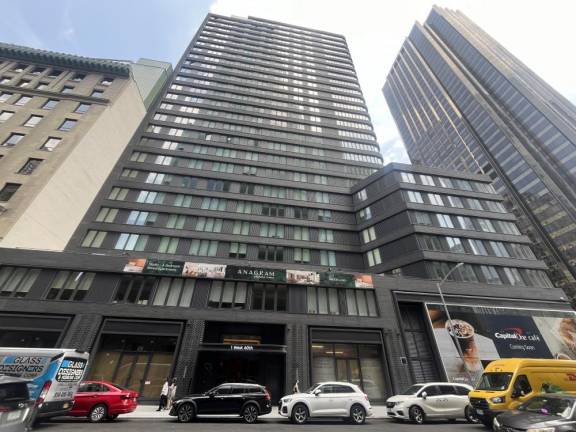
pixel 450 326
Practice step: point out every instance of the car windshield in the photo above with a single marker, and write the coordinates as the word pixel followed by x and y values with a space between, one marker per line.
pixel 494 381
pixel 14 392
pixel 548 406
pixel 411 390
pixel 311 389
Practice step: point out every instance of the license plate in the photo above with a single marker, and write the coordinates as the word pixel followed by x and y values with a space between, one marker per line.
pixel 66 405
pixel 481 412
pixel 14 415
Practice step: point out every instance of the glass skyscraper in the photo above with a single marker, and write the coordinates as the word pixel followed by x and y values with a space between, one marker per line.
pixel 462 101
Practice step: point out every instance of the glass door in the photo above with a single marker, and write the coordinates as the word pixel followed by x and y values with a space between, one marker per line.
pixel 136 380
pixel 348 370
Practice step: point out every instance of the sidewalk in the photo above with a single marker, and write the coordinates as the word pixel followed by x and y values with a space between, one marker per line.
pixel 149 412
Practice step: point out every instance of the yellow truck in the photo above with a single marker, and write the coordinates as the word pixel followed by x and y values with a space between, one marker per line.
pixel 506 383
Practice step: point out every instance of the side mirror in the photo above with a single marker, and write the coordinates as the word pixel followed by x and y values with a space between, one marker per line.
pixel 424 395
pixel 317 392
pixel 211 394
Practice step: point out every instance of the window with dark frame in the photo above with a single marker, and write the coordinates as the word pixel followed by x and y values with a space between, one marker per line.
pixel 270 253
pixel 50 104
pixel 50 144
pixel 16 282
pixel 54 73
pixel 237 250
pixel 23 100
pixel 12 140
pixel 70 285
pixel 30 166
pixel 4 96
pixel 82 108
pixel 8 191
pixel 20 67
pixel 248 295
pixel 68 125
pixel 5 115
pixel 174 292
pixel 135 290
pixel 33 121
pixel 341 301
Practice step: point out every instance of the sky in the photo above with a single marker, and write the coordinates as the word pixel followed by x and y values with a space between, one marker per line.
pixel 540 33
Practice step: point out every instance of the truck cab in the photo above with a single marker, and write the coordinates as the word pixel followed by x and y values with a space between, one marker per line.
pixel 507 383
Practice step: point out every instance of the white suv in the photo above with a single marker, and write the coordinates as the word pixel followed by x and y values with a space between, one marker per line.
pixel 432 400
pixel 328 399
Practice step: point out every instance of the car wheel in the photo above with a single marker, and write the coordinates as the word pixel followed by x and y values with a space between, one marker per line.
pixel 357 414
pixel 416 414
pixel 112 417
pixel 250 413
pixel 300 414
pixel 185 413
pixel 97 413
pixel 470 414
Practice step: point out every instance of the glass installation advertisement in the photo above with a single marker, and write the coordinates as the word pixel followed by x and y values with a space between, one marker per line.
pixel 488 333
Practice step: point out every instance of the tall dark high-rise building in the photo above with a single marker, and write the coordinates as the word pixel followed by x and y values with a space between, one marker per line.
pixel 462 101
pixel 248 156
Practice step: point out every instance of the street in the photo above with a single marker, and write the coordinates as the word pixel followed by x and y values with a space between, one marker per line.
pixel 233 425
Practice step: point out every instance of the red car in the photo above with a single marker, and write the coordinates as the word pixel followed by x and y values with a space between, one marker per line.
pixel 99 400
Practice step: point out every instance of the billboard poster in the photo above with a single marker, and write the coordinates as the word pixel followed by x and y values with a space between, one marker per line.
pixel 164 267
pixel 200 270
pixel 485 334
pixel 256 274
pixel 302 277
pixel 344 280
pixel 135 265
pixel 363 281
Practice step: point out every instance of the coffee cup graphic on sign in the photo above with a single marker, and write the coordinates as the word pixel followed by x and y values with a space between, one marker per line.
pixel 462 333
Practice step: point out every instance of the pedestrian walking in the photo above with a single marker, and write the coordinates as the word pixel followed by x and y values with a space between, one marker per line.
pixel 172 392
pixel 163 396
pixel 296 389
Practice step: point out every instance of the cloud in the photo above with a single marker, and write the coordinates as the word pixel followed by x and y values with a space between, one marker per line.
pixel 17 29
pixel 375 30
pixel 68 30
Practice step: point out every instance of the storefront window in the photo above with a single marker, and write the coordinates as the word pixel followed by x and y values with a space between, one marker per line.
pixel 28 339
pixel 140 363
pixel 355 363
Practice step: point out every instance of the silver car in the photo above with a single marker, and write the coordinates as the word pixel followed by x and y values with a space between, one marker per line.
pixel 16 408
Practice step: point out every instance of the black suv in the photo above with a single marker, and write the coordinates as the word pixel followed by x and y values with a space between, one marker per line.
pixel 246 400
